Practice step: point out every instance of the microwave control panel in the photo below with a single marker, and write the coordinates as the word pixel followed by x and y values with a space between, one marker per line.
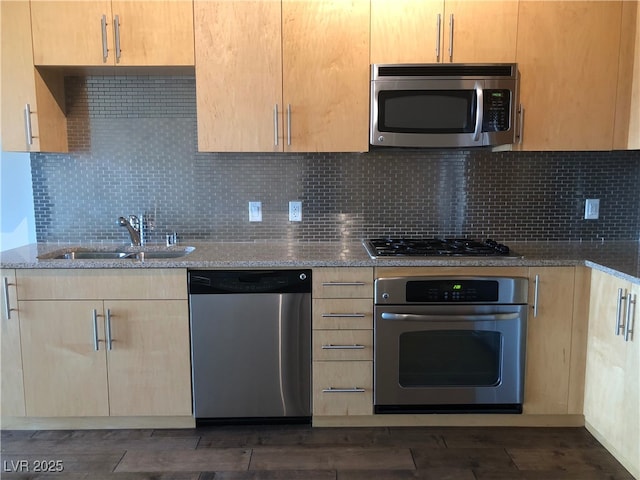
pixel 497 104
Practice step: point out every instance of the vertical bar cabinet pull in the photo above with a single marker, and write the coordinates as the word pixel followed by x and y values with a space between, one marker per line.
pixel 629 327
pixel 116 28
pixel 536 292
pixel 275 124
pixel 96 342
pixel 619 320
pixel 105 49
pixel 5 293
pixel 108 331
pixel 438 31
pixel 451 38
pixel 27 124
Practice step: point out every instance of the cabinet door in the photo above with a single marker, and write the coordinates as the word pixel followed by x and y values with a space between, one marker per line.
pixel 70 32
pixel 155 33
pixel 64 375
pixel 23 85
pixel 149 363
pixel 239 76
pixel 567 55
pixel 483 32
pixel 605 405
pixel 325 47
pixel 630 449
pixel 406 31
pixel 549 328
pixel 11 390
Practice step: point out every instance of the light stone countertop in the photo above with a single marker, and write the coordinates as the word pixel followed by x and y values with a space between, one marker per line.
pixel 618 258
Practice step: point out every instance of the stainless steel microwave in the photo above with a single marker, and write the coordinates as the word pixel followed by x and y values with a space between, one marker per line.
pixel 443 106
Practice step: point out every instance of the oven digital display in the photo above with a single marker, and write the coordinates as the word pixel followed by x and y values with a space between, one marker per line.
pixel 452 291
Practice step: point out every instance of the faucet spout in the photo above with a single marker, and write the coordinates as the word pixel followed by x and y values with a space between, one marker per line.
pixel 133 226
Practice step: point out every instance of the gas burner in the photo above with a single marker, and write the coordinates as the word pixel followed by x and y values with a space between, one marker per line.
pixel 432 247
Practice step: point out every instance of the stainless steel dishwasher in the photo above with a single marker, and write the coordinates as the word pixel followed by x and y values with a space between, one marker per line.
pixel 251 344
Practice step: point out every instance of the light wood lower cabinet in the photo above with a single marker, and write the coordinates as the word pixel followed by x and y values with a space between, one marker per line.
pixel 89 353
pixel 556 340
pixel 11 389
pixel 342 341
pixel 612 400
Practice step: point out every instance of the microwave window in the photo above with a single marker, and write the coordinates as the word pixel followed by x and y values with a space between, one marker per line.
pixel 427 111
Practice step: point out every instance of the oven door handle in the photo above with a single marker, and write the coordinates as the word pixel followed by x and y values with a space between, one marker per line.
pixel 411 317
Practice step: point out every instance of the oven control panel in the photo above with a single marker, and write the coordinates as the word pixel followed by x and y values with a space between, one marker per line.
pixel 438 291
pixel 431 290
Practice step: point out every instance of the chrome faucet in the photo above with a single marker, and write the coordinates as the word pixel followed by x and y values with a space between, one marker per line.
pixel 135 226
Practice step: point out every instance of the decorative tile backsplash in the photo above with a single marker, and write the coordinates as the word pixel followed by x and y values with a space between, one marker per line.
pixel 133 149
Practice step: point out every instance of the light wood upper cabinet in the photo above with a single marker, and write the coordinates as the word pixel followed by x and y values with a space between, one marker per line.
pixel 567 55
pixel 239 75
pixel 11 389
pixel 127 33
pixel 419 31
pixel 290 76
pixel 33 116
pixel 613 364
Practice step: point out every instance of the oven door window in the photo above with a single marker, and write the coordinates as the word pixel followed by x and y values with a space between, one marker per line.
pixel 427 111
pixel 446 358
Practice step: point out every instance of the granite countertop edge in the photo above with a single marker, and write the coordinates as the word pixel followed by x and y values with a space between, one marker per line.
pixel 619 258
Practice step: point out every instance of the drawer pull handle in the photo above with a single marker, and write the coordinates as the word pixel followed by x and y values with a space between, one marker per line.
pixel 343 315
pixel 108 325
pixel 343 284
pixel 619 321
pixel 343 390
pixel 342 347
pixel 103 29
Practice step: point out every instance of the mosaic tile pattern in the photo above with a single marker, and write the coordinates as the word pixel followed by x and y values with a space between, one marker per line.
pixel 134 149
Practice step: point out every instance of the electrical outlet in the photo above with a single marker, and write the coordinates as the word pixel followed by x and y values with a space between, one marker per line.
pixel 591 208
pixel 295 211
pixel 255 211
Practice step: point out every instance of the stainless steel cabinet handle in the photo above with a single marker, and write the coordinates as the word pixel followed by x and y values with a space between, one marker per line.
pixel 479 113
pixel 342 347
pixel 449 318
pixel 343 315
pixel 451 38
pixel 619 320
pixel 536 293
pixel 520 124
pixel 27 124
pixel 96 342
pixel 5 293
pixel 275 124
pixel 438 32
pixel 105 49
pixel 116 34
pixel 628 327
pixel 343 390
pixel 343 284
pixel 108 331
pixel 289 124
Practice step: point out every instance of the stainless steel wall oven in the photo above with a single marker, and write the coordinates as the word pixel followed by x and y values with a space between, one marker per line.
pixel 449 344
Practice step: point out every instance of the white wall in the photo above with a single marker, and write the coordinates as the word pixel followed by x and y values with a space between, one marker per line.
pixel 17 218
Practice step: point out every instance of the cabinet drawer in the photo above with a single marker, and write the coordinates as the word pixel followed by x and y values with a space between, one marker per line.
pixel 342 388
pixel 350 314
pixel 343 345
pixel 94 284
pixel 343 283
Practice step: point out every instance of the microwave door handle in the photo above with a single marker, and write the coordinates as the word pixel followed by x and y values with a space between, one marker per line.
pixel 479 113
pixel 410 317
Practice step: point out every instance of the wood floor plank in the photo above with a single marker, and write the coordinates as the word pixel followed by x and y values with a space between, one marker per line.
pixel 499 437
pixel 32 463
pixel 430 474
pixel 271 475
pixel 332 458
pixel 185 460
pixel 488 458
pixel 572 460
pixel 78 444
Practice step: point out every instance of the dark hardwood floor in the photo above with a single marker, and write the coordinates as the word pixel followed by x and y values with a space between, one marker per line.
pixel 301 452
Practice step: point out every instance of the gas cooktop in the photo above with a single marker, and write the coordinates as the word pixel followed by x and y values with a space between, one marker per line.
pixel 434 247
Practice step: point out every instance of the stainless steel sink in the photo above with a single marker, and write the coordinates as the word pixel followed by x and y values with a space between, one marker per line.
pixel 147 254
